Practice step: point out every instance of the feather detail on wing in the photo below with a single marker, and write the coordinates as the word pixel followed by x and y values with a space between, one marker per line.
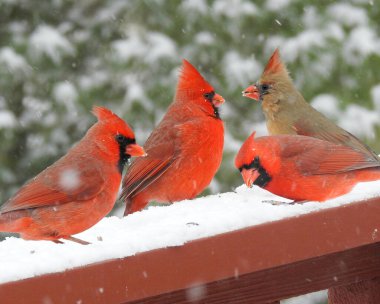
pixel 319 157
pixel 142 173
pixel 59 184
pixel 338 136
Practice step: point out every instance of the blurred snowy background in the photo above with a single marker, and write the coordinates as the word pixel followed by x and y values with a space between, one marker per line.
pixel 58 58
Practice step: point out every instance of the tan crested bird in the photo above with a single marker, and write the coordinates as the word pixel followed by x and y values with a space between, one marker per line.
pixel 287 112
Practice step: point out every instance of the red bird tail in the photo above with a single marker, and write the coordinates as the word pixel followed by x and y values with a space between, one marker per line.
pixel 14 221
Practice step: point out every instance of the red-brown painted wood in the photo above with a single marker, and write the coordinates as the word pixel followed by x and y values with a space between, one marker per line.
pixel 367 292
pixel 259 264
pixel 286 281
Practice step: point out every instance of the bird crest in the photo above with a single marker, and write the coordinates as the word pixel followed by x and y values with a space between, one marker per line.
pixel 113 122
pixel 275 65
pixel 246 152
pixel 190 78
pixel 252 136
pixel 102 113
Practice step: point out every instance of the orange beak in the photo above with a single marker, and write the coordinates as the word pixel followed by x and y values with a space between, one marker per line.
pixel 217 100
pixel 135 150
pixel 249 176
pixel 252 92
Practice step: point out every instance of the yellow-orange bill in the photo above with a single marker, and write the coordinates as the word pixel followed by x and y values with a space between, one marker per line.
pixel 135 150
pixel 249 176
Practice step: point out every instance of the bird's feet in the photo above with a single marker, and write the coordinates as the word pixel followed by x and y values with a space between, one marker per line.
pixel 73 239
pixel 192 224
pixel 300 202
pixel 277 203
pixel 76 240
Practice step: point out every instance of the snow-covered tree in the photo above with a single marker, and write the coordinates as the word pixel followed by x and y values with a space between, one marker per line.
pixel 58 58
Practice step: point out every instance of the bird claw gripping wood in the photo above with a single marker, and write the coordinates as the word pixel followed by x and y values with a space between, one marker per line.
pixel 277 203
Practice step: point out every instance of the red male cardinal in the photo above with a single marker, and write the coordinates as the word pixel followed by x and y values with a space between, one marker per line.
pixel 287 112
pixel 184 150
pixel 78 190
pixel 303 168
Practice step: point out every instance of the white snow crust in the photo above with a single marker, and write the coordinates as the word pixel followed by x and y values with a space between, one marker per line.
pixel 159 227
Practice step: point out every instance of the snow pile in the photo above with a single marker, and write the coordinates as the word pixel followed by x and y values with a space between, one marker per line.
pixel 151 46
pixel 347 14
pixel 7 119
pixel 158 227
pixel 234 8
pixel 240 71
pixel 362 42
pixel 46 40
pixel 65 93
pixel 368 119
pixel 375 93
pixel 327 104
pixel 277 5
pixel 13 61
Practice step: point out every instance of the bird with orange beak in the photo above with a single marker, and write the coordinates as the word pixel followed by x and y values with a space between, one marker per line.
pixel 79 189
pixel 287 112
pixel 184 150
pixel 303 168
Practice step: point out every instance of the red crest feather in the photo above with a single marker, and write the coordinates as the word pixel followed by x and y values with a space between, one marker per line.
pixel 252 136
pixel 246 152
pixel 102 113
pixel 113 122
pixel 190 78
pixel 275 65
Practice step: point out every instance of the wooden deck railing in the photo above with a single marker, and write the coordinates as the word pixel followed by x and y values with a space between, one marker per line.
pixel 336 248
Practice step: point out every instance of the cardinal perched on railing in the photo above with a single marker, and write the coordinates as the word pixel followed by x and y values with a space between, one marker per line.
pixel 184 150
pixel 303 168
pixel 287 112
pixel 78 190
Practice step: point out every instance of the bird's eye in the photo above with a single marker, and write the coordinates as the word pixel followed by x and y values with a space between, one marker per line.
pixel 264 87
pixel 120 138
pixel 255 164
pixel 209 95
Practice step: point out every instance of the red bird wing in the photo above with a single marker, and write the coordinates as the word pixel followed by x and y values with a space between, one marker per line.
pixel 316 157
pixel 337 135
pixel 144 171
pixel 61 183
pixel 163 147
pixel 161 151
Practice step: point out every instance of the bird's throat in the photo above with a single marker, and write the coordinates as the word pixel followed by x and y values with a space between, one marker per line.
pixel 216 112
pixel 263 179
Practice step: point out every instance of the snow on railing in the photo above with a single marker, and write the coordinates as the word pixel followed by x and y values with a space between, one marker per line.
pixel 226 246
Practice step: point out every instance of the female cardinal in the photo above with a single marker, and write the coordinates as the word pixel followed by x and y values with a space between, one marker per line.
pixel 287 112
pixel 184 150
pixel 79 189
pixel 303 168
